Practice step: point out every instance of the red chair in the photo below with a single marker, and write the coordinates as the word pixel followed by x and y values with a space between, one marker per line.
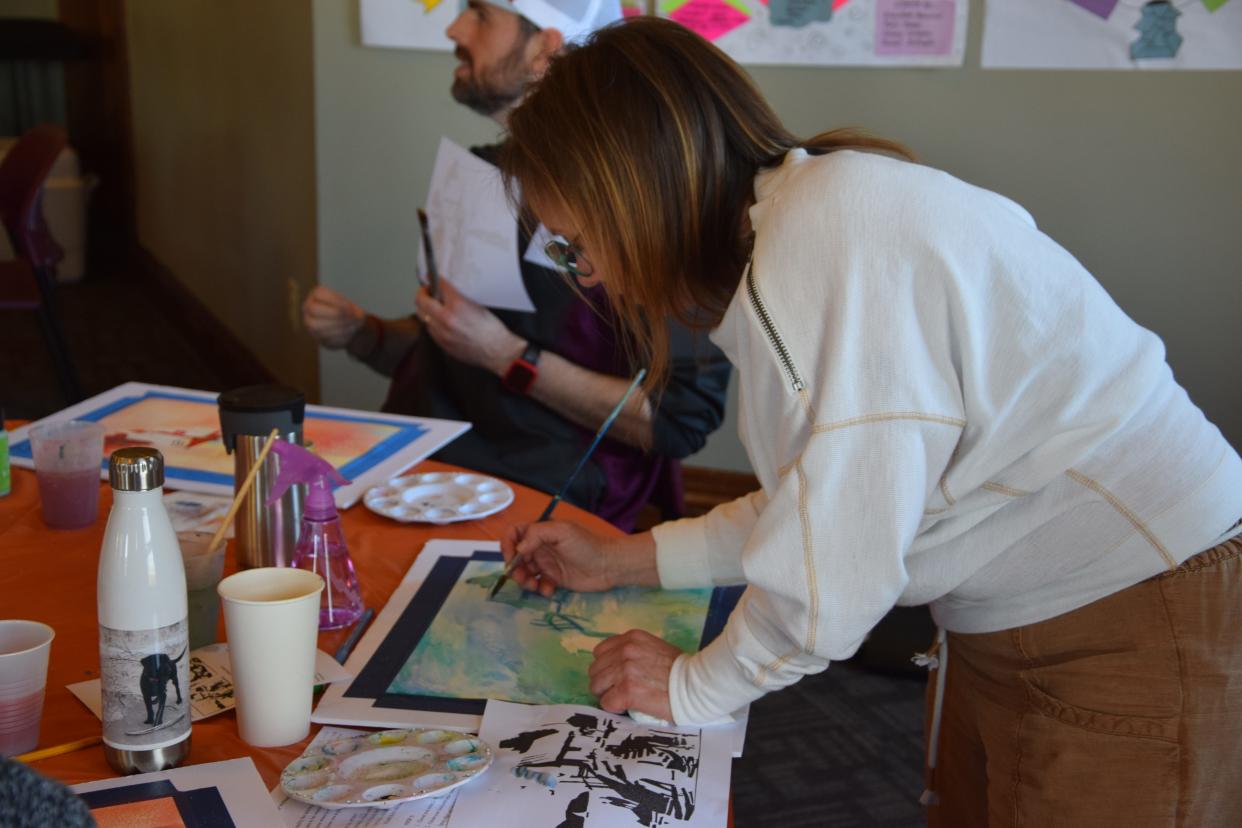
pixel 28 282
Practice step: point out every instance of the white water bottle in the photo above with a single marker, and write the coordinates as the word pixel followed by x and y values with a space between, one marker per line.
pixel 143 632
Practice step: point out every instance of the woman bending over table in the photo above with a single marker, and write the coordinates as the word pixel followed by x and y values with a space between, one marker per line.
pixel 942 406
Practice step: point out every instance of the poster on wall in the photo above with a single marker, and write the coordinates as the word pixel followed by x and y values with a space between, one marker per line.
pixel 1112 34
pixel 408 24
pixel 420 24
pixel 829 32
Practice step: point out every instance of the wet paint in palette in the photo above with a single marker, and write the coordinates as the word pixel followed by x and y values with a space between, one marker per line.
pixel 386 768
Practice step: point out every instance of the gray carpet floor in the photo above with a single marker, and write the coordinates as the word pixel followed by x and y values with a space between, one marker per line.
pixel 836 750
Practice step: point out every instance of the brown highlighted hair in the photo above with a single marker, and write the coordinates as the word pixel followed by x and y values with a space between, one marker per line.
pixel 650 137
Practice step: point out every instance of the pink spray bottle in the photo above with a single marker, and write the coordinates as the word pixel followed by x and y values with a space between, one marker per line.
pixel 321 543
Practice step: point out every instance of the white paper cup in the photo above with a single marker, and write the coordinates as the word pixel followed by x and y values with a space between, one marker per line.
pixel 24 650
pixel 271 615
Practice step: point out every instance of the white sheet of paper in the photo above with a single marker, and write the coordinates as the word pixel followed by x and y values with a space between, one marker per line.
pixel 407 24
pixel 237 781
pixel 473 231
pixel 1033 34
pixel 534 251
pixel 608 770
pixel 430 812
pixel 211 682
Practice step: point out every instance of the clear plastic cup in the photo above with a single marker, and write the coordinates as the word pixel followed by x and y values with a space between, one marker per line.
pixel 68 457
pixel 202 574
pixel 24 650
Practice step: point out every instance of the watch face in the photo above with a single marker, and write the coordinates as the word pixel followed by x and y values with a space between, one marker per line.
pixel 519 376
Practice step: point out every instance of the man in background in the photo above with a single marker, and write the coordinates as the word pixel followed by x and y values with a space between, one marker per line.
pixel 535 386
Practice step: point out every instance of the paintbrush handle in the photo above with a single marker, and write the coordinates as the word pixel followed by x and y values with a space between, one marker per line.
pixel 241 493
pixel 556 498
pixel 599 435
pixel 342 652
pixel 57 750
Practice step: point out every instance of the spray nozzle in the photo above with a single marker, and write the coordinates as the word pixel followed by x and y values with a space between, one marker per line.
pixel 299 465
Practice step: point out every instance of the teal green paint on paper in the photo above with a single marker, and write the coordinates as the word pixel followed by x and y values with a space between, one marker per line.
pixel 525 648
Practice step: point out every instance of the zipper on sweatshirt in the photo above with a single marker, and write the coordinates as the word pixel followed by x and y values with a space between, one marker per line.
pixel 765 320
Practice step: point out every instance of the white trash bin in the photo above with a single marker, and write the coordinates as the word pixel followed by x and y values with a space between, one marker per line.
pixel 65 198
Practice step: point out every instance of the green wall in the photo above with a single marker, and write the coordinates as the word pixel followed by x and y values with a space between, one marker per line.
pixel 1138 174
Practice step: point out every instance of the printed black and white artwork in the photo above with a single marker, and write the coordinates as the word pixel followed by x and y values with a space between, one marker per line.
pixel 567 766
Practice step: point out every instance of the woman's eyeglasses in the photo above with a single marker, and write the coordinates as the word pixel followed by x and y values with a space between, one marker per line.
pixel 568 257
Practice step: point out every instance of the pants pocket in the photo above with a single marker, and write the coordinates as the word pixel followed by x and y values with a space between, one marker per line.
pixel 1078 766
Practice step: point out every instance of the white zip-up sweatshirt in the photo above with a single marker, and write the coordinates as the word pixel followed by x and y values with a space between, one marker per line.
pixel 942 406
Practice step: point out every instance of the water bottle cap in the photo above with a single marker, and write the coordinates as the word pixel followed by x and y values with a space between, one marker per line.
pixel 136 469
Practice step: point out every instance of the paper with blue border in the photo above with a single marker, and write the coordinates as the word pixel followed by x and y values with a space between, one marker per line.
pixel 434 601
pixel 367 447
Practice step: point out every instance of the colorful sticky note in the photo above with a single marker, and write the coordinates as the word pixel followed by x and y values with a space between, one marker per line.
pixel 797 13
pixel 1213 5
pixel 428 5
pixel 1100 8
pixel 914 27
pixel 711 19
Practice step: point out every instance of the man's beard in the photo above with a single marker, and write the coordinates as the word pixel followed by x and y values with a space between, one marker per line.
pixel 503 86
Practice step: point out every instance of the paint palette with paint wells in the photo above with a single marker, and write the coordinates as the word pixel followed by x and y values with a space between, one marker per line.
pixel 380 770
pixel 439 497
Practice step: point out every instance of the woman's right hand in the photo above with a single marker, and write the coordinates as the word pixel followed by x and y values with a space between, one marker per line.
pixel 331 318
pixel 556 554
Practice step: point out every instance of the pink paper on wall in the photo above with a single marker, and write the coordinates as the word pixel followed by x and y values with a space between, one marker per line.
pixel 709 18
pixel 914 27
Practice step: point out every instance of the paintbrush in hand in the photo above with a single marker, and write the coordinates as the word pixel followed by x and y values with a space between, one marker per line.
pixel 433 274
pixel 556 498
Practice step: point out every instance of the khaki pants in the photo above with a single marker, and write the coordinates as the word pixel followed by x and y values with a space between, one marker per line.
pixel 1125 712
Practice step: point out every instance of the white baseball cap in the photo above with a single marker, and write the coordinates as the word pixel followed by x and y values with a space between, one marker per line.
pixel 574 19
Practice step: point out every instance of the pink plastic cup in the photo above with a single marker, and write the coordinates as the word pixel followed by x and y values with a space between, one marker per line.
pixel 67 458
pixel 24 650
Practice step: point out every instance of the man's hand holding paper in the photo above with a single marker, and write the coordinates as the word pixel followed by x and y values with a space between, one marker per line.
pixel 467 331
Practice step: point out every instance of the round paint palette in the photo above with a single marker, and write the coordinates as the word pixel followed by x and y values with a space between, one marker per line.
pixel 379 770
pixel 439 497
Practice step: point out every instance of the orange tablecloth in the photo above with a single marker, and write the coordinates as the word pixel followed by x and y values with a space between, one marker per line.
pixel 49 576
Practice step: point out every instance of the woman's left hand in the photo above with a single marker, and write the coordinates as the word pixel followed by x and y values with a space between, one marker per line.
pixel 630 672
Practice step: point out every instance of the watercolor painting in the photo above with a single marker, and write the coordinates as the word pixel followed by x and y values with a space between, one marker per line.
pixel 184 424
pixel 153 813
pixel 523 647
pixel 158 804
pixel 440 648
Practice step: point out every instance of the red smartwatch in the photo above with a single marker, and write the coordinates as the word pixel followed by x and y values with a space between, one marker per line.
pixel 521 373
